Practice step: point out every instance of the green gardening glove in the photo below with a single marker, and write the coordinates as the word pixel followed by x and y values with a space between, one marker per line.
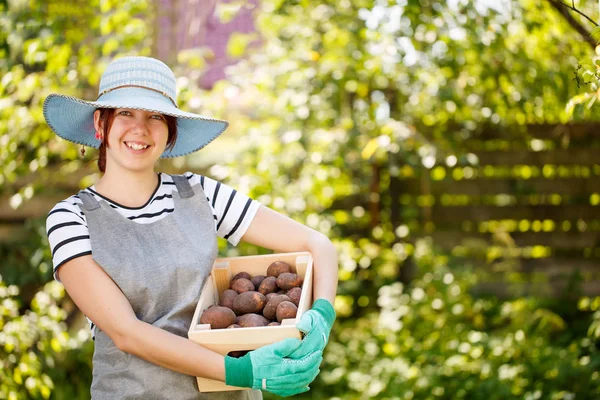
pixel 316 324
pixel 269 368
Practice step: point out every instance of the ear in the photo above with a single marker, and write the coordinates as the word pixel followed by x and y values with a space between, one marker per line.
pixel 97 124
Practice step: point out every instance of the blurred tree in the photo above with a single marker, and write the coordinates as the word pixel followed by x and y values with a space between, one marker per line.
pixel 48 46
pixel 55 46
pixel 346 95
pixel 587 74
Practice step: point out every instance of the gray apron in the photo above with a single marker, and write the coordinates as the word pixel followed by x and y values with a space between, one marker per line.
pixel 161 268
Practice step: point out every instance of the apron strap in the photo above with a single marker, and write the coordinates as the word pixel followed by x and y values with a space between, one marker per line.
pixel 183 186
pixel 89 202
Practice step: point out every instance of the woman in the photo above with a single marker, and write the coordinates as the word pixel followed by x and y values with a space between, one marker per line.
pixel 134 250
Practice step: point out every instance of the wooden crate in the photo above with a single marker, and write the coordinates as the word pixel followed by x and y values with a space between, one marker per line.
pixel 225 340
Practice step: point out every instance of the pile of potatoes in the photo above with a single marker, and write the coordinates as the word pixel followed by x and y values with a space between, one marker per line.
pixel 260 300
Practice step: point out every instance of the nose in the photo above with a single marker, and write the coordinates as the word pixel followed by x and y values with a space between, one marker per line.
pixel 141 125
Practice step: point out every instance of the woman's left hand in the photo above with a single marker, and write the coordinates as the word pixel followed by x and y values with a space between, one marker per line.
pixel 316 324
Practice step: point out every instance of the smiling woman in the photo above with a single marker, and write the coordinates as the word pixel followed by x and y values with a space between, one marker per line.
pixel 104 118
pixel 134 250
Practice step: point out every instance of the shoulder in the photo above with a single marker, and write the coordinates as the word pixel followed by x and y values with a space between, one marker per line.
pixel 192 178
pixel 65 213
pixel 67 232
pixel 67 208
pixel 206 184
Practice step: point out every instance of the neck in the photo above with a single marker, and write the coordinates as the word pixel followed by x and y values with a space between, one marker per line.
pixel 129 188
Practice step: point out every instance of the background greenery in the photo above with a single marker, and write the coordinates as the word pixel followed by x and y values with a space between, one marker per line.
pixel 336 91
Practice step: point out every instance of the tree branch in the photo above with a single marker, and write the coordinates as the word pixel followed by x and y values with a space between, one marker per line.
pixel 563 10
pixel 573 8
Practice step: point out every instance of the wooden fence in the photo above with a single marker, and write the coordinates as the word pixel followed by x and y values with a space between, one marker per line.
pixel 525 204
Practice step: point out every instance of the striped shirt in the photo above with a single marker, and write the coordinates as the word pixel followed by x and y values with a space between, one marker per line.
pixel 68 233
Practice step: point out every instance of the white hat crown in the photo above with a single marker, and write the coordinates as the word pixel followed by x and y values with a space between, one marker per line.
pixel 139 71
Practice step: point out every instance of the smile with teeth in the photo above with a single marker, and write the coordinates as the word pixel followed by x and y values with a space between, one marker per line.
pixel 136 146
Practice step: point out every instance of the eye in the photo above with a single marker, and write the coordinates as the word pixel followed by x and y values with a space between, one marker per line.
pixel 158 117
pixel 124 112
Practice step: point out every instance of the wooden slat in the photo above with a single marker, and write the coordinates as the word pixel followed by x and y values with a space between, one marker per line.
pixel 552 268
pixel 521 143
pixel 12 232
pixel 477 187
pixel 559 266
pixel 36 207
pixel 542 131
pixel 569 240
pixel 560 131
pixel 458 214
pixel 539 158
pixel 505 290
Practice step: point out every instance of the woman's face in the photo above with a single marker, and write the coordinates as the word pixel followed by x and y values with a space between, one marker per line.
pixel 136 140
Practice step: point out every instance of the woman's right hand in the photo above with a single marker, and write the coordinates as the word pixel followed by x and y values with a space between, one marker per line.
pixel 269 368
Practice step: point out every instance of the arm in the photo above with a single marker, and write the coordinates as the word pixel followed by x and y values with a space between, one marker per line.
pixel 98 297
pixel 274 231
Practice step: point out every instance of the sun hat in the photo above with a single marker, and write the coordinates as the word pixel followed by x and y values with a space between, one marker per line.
pixel 140 83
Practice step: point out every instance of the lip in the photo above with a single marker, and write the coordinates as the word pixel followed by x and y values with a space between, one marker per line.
pixel 136 142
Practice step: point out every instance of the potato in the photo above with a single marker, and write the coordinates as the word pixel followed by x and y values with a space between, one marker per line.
pixel 252 320
pixel 218 317
pixel 242 285
pixel 288 280
pixel 239 275
pixel 274 324
pixel 285 310
pixel 294 295
pixel 237 353
pixel 277 268
pixel 249 302
pixel 269 296
pixel 233 326
pixel 268 285
pixel 257 280
pixel 271 306
pixel 226 298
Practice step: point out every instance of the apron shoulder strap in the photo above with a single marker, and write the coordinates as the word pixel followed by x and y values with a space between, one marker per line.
pixel 89 202
pixel 183 186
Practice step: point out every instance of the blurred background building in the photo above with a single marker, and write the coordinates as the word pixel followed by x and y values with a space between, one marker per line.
pixel 188 24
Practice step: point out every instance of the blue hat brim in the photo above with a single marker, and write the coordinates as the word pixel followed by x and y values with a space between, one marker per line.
pixel 73 119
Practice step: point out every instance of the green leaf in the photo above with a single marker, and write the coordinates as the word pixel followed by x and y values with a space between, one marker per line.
pixel 575 100
pixel 238 42
pixel 595 33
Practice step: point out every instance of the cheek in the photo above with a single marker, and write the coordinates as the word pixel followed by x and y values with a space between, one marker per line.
pixel 164 137
pixel 163 134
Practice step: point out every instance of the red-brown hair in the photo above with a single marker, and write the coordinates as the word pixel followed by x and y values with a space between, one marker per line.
pixel 107 116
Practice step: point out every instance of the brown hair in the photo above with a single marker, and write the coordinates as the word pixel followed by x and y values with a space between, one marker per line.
pixel 107 116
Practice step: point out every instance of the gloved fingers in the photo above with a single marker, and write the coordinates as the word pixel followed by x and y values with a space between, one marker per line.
pixel 306 323
pixel 282 367
pixel 297 380
pixel 289 392
pixel 314 341
pixel 307 348
pixel 294 369
pixel 307 363
pixel 312 321
pixel 316 335
pixel 284 347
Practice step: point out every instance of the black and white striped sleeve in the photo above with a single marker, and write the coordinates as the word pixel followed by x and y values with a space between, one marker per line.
pixel 67 232
pixel 233 211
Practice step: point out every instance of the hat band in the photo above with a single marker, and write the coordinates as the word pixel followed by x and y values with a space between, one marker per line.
pixel 137 86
